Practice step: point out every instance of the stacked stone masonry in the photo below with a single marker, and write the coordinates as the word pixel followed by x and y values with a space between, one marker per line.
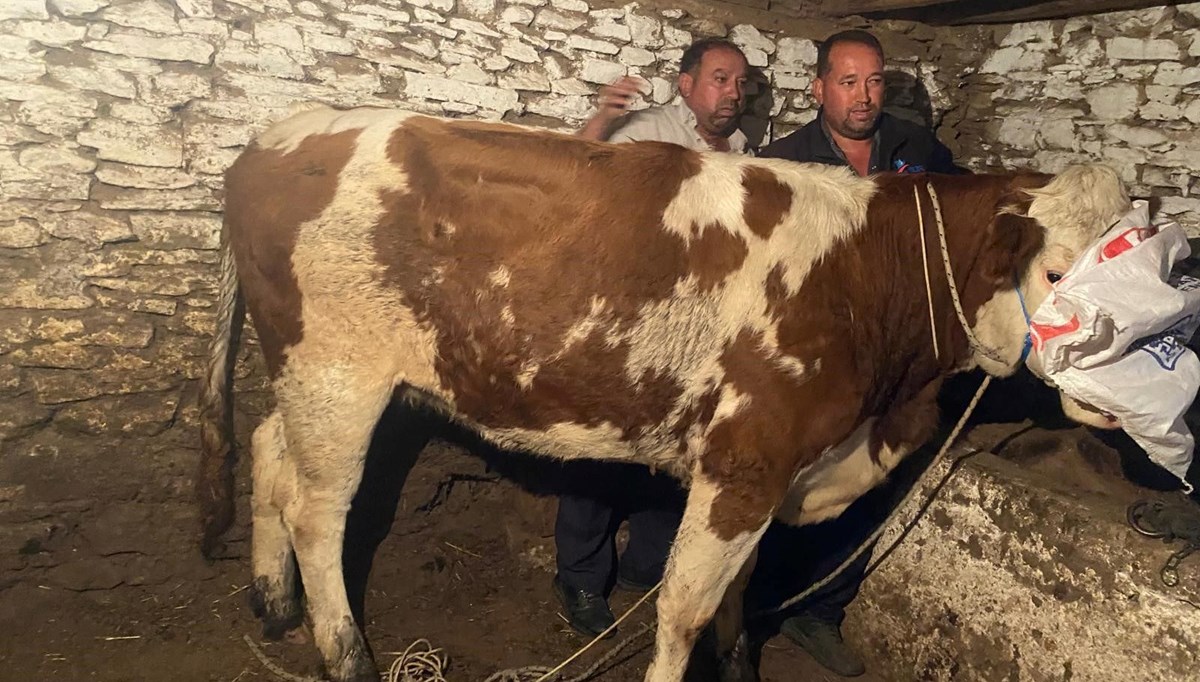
pixel 118 118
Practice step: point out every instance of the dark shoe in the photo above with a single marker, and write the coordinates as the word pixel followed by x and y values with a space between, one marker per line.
pixel 823 641
pixel 586 612
pixel 631 581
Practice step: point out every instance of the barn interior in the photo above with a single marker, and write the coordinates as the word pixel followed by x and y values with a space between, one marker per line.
pixel 117 120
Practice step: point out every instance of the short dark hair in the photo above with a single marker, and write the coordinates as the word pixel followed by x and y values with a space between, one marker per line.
pixel 696 51
pixel 851 36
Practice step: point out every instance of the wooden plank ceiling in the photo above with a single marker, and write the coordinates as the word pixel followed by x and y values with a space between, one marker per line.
pixel 953 12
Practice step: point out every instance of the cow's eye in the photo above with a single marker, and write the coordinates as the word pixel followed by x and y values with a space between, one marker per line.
pixel 1053 276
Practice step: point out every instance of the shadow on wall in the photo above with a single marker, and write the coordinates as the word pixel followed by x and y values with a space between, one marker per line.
pixel 906 98
pixel 760 98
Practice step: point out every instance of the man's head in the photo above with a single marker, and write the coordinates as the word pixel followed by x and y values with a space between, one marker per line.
pixel 712 78
pixel 849 83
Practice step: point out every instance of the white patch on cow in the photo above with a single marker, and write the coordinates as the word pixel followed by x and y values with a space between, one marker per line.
pixel 436 277
pixel 527 373
pixel 565 440
pixel 730 404
pixel 828 205
pixel 597 313
pixel 347 309
pixel 844 473
pixel 500 277
pixel 319 119
pixel 507 316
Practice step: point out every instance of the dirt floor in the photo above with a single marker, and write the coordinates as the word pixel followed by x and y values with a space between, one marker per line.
pixel 121 593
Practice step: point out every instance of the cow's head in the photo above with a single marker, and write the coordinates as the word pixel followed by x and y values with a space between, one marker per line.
pixel 1060 218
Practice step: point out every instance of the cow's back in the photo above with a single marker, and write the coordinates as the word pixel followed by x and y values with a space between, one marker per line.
pixel 540 281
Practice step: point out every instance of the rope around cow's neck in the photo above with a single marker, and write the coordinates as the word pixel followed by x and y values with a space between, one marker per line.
pixel 962 317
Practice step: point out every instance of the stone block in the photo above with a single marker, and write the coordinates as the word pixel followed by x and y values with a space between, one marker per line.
pixel 1114 102
pixel 175 48
pixel 577 42
pixel 23 9
pixel 148 15
pixel 134 144
pixel 601 72
pixel 443 90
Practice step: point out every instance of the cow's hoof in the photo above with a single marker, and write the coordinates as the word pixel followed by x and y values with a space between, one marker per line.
pixel 279 613
pixel 353 661
pixel 735 665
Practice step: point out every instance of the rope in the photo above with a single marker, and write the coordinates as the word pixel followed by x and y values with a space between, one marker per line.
pixel 270 665
pixel 925 262
pixel 425 664
pixel 962 317
pixel 549 675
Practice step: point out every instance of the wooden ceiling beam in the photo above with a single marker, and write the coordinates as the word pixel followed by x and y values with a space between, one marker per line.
pixel 957 12
pixel 844 8
pixel 1055 9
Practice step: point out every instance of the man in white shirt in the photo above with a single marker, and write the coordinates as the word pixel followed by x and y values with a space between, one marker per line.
pixel 712 79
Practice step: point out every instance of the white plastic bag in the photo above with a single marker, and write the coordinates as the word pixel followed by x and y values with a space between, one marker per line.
pixel 1113 334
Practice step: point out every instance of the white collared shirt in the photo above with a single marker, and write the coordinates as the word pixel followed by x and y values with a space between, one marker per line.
pixel 675 123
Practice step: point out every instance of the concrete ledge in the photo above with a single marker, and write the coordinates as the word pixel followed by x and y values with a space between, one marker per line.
pixel 1007 578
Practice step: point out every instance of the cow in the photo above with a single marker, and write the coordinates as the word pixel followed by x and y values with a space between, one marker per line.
pixel 760 329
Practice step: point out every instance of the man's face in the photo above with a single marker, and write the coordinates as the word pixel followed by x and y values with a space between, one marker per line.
pixel 715 92
pixel 851 94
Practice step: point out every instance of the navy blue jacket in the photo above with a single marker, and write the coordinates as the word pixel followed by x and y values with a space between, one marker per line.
pixel 900 146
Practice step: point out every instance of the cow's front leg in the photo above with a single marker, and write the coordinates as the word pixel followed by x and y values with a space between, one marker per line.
pixel 732 642
pixel 715 540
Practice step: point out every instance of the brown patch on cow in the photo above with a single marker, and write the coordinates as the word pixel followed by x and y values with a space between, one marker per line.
pixel 715 254
pixel 269 194
pixel 767 200
pixel 776 292
pixel 753 455
pixel 1015 239
pixel 573 222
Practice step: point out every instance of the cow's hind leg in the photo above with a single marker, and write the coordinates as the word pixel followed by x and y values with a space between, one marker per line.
pixel 273 595
pixel 328 428
pixel 705 560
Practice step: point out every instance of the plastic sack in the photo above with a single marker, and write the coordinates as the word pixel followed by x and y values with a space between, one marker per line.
pixel 1113 334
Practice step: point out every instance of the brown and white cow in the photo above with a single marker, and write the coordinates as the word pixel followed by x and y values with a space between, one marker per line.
pixel 758 328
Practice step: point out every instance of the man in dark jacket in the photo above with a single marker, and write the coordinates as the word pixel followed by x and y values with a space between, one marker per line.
pixel 850 130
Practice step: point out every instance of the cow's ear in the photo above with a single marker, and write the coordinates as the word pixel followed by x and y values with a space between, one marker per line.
pixel 1013 241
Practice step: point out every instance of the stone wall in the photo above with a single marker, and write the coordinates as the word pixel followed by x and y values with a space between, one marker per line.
pixel 1122 87
pixel 118 117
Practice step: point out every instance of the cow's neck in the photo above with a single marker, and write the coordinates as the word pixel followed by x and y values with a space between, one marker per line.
pixel 891 324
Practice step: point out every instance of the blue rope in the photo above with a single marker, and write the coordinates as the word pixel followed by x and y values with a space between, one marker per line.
pixel 1028 346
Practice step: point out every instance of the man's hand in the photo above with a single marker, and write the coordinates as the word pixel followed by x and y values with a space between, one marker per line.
pixel 613 103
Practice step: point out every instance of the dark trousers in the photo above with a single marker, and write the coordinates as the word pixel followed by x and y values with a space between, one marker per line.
pixel 790 559
pixel 588 518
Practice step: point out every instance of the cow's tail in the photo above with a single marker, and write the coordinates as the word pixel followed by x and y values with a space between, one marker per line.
pixel 218 454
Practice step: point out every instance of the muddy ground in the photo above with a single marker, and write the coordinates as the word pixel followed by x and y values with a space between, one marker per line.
pixel 113 588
